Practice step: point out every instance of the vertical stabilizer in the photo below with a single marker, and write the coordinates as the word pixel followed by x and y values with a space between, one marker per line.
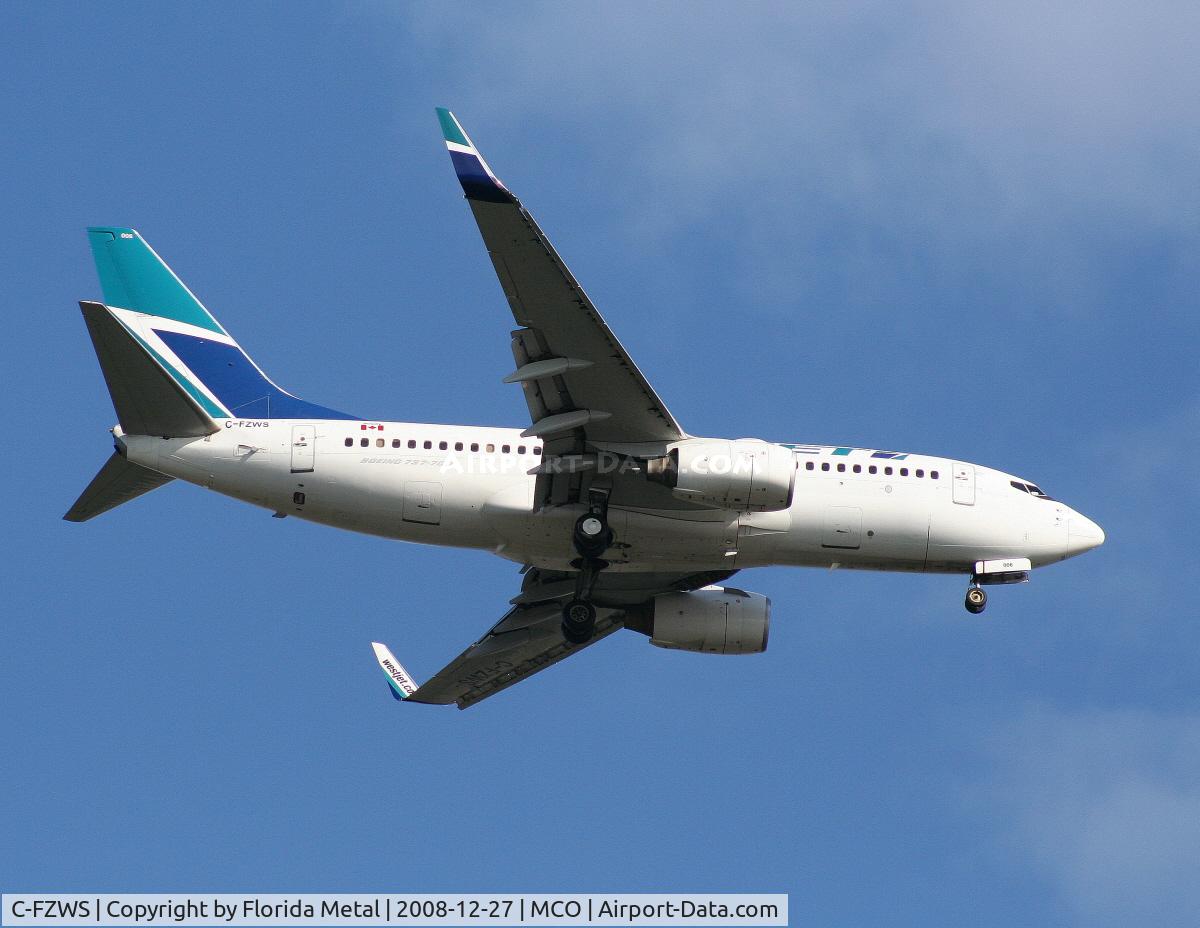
pixel 182 339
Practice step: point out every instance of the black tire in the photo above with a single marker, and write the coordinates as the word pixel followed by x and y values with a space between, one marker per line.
pixel 578 621
pixel 592 536
pixel 976 600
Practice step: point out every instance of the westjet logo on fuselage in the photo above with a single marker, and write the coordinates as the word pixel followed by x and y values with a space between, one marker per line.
pixel 843 452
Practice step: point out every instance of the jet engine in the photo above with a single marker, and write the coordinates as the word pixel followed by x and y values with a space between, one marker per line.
pixel 742 475
pixel 714 620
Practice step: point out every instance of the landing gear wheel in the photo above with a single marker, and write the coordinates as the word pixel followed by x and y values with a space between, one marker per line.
pixel 592 535
pixel 976 600
pixel 578 621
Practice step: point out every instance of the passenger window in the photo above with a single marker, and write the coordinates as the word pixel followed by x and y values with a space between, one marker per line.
pixel 506 448
pixel 872 469
pixel 903 471
pixel 520 449
pixel 824 465
pixel 474 446
pixel 933 474
pixel 395 442
pixel 364 442
pixel 537 450
pixel 458 446
pixel 491 449
pixel 412 443
pixel 841 468
pixel 428 445
pixel 887 471
pixel 442 446
pixel 349 442
pixel 378 442
pixel 920 473
pixel 809 465
pixel 858 468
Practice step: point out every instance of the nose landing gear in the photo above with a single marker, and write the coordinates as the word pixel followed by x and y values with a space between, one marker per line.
pixel 591 537
pixel 976 600
pixel 990 573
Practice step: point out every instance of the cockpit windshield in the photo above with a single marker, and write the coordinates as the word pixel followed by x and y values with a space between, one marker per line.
pixel 1031 489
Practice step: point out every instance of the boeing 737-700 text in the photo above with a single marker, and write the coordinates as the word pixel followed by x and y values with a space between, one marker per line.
pixel 619 518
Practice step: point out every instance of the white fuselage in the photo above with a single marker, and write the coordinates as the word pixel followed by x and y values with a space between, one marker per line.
pixel 850 508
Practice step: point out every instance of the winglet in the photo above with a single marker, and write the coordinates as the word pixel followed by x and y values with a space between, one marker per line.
pixel 478 181
pixel 402 685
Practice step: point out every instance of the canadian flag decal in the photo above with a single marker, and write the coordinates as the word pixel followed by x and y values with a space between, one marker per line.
pixel 371 425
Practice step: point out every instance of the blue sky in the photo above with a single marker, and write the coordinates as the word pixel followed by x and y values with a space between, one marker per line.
pixel 963 229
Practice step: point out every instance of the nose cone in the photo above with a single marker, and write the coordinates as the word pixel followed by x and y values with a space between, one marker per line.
pixel 1082 535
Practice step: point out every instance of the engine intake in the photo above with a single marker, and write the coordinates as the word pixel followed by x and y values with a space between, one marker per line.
pixel 714 620
pixel 743 475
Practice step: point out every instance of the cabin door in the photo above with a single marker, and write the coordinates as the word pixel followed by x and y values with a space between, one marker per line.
pixel 304 447
pixel 964 484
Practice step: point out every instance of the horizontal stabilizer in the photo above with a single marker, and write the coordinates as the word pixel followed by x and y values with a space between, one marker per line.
pixel 119 481
pixel 148 398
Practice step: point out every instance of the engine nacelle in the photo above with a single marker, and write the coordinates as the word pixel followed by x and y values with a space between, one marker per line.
pixel 744 475
pixel 714 620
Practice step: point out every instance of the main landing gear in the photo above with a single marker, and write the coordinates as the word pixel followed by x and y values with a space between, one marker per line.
pixel 591 537
pixel 976 598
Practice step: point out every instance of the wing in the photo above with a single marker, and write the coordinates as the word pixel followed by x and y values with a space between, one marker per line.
pixel 581 386
pixel 526 640
pixel 529 638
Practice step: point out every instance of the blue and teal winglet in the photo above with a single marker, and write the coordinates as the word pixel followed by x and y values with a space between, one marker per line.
pixel 478 181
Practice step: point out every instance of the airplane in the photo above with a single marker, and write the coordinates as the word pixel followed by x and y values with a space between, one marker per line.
pixel 618 517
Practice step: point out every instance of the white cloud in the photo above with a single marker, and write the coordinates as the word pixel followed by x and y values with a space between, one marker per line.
pixel 942 141
pixel 1106 807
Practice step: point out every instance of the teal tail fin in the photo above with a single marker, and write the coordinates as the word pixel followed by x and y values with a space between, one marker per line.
pixel 134 277
pixel 171 367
